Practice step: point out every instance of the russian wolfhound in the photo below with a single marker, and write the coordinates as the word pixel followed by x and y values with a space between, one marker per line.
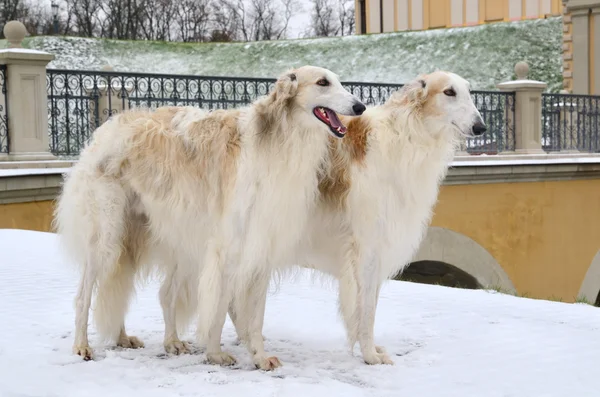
pixel 376 201
pixel 153 188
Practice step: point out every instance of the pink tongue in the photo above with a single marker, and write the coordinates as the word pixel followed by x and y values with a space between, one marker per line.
pixel 333 118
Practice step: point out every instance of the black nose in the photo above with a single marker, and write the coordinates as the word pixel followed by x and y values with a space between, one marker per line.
pixel 479 128
pixel 359 108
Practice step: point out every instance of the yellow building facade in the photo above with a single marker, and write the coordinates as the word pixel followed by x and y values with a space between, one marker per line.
pixel 378 16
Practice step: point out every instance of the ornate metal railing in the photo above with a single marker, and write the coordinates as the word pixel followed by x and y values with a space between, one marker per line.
pixel 498 112
pixel 79 101
pixel 571 122
pixel 4 137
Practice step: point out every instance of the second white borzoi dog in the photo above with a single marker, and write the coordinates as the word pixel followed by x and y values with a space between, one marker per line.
pixel 155 188
pixel 376 201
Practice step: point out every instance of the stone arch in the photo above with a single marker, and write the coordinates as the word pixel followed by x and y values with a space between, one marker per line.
pixel 445 245
pixel 440 273
pixel 590 287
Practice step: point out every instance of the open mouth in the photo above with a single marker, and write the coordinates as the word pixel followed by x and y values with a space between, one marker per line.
pixel 331 119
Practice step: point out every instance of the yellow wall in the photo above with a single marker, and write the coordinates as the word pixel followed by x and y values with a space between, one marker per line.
pixel 543 234
pixel 36 215
pixel 431 14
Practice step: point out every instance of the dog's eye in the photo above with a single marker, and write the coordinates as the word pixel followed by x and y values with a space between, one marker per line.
pixel 323 82
pixel 450 92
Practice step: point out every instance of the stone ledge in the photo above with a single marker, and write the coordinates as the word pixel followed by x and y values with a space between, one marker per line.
pixel 466 175
pixel 43 180
pixel 26 188
pixel 36 164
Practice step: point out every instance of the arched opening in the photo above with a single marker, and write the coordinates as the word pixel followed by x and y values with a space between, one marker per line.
pixel 591 282
pixel 438 273
pixel 467 256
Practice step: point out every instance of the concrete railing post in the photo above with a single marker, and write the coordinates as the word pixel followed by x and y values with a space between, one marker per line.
pixel 110 99
pixel 26 96
pixel 581 48
pixel 528 110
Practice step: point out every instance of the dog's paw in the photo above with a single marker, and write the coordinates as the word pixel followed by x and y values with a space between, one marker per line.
pixel 130 342
pixel 267 363
pixel 222 358
pixel 375 358
pixel 177 347
pixel 85 352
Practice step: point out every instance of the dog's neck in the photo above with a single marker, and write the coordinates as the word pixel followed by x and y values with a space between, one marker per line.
pixel 400 136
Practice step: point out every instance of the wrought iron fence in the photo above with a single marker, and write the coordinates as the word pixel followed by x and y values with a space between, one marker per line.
pixel 79 101
pixel 4 137
pixel 498 112
pixel 571 122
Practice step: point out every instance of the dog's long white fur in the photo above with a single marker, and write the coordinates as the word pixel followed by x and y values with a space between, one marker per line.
pixel 380 223
pixel 188 193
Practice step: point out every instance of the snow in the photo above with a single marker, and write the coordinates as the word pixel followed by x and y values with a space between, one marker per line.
pixel 486 54
pixel 445 342
pixel 506 160
pixel 460 161
pixel 23 51
pixel 32 171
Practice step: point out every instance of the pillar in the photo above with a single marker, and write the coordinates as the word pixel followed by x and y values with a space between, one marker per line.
pixel 582 39
pixel 528 110
pixel 26 98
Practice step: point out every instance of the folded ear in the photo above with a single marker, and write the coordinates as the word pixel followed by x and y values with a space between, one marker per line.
pixel 286 85
pixel 416 91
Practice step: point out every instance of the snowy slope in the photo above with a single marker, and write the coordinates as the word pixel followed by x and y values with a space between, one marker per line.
pixel 445 342
pixel 486 54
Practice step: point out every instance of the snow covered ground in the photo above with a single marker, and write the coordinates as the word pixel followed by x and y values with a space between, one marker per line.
pixel 486 54
pixel 445 342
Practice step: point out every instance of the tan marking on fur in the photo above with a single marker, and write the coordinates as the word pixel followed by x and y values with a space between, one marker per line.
pixel 271 111
pixel 160 153
pixel 355 141
pixel 335 183
pixel 436 84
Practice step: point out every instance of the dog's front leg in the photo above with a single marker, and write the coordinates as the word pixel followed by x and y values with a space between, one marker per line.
pixel 371 284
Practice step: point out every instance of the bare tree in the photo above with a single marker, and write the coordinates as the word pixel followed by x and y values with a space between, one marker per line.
pixel 323 18
pixel 260 19
pixel 86 15
pixel 157 19
pixel 226 22
pixel 37 18
pixel 122 19
pixel 332 18
pixel 193 18
pixel 346 17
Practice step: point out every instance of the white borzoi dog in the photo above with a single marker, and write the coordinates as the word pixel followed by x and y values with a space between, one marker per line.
pixel 376 201
pixel 153 190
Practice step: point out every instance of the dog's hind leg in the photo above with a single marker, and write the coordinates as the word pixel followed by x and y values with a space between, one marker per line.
pixel 250 311
pixel 169 294
pixel 214 299
pixel 214 354
pixel 83 300
pixel 116 288
pixel 241 336
pixel 93 230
